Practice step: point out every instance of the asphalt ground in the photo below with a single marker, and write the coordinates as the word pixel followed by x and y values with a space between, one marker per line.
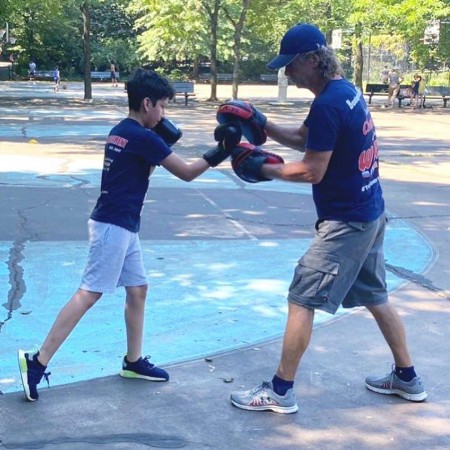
pixel 50 160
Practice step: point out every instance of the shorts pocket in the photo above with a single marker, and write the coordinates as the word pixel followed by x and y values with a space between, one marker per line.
pixel 314 279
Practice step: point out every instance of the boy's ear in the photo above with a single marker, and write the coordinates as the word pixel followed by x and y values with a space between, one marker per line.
pixel 146 104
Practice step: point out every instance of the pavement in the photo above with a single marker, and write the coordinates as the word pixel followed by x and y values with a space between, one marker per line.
pixel 215 322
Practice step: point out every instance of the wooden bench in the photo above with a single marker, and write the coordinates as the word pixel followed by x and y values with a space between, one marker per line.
pixel 383 89
pixel 103 76
pixel 437 92
pixel 183 89
pixel 43 74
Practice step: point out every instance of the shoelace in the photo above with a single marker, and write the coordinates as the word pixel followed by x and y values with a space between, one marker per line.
pixel 265 385
pixel 46 375
pixel 146 360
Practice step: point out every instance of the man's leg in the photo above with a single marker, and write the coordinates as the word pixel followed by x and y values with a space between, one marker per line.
pixel 296 340
pixel 403 380
pixel 393 331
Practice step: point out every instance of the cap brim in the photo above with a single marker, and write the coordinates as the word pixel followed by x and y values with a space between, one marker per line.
pixel 281 61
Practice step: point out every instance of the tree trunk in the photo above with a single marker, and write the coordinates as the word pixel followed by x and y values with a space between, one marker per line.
pixel 214 17
pixel 86 50
pixel 359 63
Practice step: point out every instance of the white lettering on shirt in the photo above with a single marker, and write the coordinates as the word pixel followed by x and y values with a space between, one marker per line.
pixel 354 102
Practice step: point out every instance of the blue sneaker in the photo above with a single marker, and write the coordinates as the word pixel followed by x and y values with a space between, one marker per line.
pixel 31 372
pixel 142 368
pixel 263 398
pixel 391 384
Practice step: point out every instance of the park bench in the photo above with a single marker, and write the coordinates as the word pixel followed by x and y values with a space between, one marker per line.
pixel 43 74
pixel 183 89
pixel 220 77
pixel 269 77
pixel 437 92
pixel 103 76
pixel 383 89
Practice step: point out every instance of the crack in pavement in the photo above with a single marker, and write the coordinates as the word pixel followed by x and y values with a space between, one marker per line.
pixel 417 279
pixel 16 280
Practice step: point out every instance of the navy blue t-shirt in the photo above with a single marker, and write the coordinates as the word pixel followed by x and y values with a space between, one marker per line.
pixel 339 120
pixel 130 153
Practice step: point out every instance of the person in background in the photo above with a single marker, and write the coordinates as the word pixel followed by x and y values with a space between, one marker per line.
pixel 56 78
pixel 395 80
pixel 113 74
pixel 32 71
pixel 384 75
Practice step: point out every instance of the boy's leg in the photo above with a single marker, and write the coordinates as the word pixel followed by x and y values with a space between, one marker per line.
pixel 32 365
pixel 134 365
pixel 134 320
pixel 66 321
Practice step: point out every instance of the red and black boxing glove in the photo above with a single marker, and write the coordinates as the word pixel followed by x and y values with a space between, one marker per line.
pixel 247 161
pixel 251 120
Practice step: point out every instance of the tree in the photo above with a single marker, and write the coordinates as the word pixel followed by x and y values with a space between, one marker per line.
pixel 236 15
pixel 85 13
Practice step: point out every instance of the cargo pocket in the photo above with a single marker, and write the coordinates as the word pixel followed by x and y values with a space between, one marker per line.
pixel 313 279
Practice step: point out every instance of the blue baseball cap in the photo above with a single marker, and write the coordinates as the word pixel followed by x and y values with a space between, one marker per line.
pixel 301 38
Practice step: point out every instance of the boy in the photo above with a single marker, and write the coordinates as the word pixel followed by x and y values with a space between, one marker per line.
pixel 133 148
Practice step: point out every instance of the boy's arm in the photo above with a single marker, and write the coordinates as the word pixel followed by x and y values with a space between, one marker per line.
pixel 227 135
pixel 182 170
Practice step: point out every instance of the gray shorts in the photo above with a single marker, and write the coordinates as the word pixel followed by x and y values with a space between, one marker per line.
pixel 115 259
pixel 344 265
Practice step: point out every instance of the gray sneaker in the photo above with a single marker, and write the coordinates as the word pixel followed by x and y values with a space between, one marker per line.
pixel 391 384
pixel 263 398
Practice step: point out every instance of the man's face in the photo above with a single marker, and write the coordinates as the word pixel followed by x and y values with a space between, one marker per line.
pixel 300 70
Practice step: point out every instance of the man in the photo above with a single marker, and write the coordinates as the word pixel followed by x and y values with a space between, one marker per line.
pixel 56 78
pixel 32 71
pixel 395 79
pixel 133 149
pixel 112 69
pixel 384 75
pixel 341 162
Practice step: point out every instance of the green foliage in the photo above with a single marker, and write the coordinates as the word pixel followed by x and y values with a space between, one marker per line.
pixel 175 35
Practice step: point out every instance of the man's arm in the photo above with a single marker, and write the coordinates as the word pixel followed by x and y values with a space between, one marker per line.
pixel 293 137
pixel 311 169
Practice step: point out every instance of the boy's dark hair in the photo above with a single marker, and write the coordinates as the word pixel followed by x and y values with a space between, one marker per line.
pixel 147 84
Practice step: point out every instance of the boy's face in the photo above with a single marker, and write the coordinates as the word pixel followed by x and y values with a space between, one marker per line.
pixel 153 114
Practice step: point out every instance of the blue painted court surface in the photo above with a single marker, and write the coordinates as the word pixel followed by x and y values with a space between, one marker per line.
pixel 205 296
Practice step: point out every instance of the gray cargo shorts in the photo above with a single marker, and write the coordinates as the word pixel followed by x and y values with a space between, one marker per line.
pixel 344 265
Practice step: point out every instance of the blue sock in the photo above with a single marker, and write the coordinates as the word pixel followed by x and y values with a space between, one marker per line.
pixel 405 373
pixel 281 386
